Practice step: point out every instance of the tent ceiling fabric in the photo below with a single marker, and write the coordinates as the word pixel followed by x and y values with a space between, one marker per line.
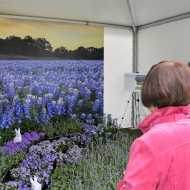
pixel 147 11
pixel 102 11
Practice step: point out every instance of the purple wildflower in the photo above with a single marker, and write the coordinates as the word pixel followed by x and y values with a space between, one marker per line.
pixel 27 139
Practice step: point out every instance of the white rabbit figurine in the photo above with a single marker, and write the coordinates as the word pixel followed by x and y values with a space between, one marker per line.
pixel 35 184
pixel 18 137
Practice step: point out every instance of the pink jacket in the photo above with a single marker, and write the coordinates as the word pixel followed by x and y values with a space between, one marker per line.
pixel 160 158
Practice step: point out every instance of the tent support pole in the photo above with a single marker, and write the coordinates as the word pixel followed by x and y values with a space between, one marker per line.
pixel 131 13
pixel 135 37
pixel 135 50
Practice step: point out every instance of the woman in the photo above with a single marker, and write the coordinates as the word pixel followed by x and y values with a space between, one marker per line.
pixel 160 158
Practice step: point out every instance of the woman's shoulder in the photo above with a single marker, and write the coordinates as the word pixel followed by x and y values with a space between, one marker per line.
pixel 160 137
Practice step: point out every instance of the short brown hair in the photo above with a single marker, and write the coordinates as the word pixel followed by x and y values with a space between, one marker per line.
pixel 167 84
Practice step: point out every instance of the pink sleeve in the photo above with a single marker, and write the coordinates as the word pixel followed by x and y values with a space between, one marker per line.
pixel 141 172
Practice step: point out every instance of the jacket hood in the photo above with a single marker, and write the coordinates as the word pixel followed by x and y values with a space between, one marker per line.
pixel 164 115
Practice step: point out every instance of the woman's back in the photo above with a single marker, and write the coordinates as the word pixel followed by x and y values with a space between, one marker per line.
pixel 161 156
pixel 170 143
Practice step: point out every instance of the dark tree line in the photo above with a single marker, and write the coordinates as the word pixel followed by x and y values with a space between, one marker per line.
pixel 41 47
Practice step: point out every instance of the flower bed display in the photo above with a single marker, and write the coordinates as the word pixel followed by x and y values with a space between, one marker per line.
pixel 41 155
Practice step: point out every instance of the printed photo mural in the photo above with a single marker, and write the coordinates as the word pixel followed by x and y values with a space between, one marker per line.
pixel 51 92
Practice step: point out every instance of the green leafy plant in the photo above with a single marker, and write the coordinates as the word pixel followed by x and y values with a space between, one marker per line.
pixel 5 135
pixel 61 126
pixel 63 148
pixel 7 187
pixel 9 162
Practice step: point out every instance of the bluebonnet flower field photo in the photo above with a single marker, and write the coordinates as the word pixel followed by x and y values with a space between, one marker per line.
pixel 53 133
pixel 51 98
pixel 39 90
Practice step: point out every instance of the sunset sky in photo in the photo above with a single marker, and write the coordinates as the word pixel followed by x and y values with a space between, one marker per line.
pixel 58 34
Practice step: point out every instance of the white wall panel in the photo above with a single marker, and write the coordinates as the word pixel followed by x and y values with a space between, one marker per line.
pixel 168 41
pixel 117 62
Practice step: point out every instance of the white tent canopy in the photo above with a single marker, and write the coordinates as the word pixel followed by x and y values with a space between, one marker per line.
pixel 114 12
pixel 137 33
pixel 130 14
